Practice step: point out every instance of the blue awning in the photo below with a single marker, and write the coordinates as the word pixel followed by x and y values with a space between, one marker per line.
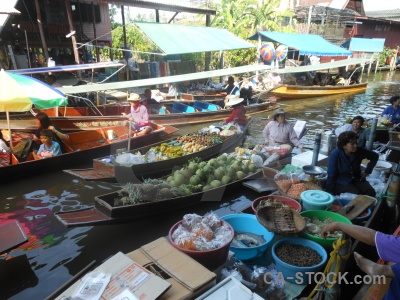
pixel 364 45
pixel 310 44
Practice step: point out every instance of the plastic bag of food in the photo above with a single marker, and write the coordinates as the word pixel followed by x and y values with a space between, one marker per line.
pixel 129 159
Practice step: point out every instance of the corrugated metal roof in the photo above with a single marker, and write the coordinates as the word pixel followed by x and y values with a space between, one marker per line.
pixel 393 14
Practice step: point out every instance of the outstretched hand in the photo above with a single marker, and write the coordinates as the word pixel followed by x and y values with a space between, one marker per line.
pixel 327 229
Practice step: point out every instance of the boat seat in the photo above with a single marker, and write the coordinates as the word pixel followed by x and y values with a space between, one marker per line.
pixel 205 106
pixel 182 108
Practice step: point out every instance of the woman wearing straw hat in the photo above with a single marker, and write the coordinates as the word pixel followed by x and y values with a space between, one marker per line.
pixel 238 114
pixel 279 132
pixel 139 115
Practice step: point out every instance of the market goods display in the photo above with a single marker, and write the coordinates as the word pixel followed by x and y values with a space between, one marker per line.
pixel 298 255
pixel 195 176
pixel 282 220
pixel 293 187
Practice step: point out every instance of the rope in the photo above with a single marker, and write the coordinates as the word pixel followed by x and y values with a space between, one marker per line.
pixel 334 257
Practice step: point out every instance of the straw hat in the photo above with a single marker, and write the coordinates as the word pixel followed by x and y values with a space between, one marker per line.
pixel 134 97
pixel 279 111
pixel 233 100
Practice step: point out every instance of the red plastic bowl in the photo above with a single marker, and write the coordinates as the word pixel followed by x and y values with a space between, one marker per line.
pixel 285 200
pixel 211 259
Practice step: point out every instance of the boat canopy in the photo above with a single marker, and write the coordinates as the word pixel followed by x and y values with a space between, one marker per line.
pixel 324 66
pixel 364 45
pixel 68 68
pixel 307 44
pixel 181 39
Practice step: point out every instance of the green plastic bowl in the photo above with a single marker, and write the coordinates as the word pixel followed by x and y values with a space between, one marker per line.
pixel 323 215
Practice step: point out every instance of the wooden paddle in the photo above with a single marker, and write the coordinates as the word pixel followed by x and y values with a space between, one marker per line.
pixel 356 207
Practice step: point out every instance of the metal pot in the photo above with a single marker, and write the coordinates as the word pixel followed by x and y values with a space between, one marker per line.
pixel 313 170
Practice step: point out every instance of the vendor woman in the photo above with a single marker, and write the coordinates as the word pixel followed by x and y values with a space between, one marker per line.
pixel 393 110
pixel 344 167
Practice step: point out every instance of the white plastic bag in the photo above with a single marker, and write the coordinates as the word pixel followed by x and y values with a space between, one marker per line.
pixel 129 159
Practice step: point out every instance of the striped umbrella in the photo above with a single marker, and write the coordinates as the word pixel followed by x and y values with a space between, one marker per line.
pixel 19 93
pixel 281 52
pixel 267 52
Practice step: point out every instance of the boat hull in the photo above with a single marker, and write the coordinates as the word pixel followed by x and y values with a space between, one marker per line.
pixel 73 119
pixel 87 145
pixel 104 212
pixel 297 92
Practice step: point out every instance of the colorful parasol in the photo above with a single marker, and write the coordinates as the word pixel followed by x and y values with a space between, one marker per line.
pixel 20 93
pixel 281 52
pixel 267 52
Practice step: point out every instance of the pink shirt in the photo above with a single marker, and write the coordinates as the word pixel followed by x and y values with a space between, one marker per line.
pixel 140 115
pixel 238 115
pixel 278 134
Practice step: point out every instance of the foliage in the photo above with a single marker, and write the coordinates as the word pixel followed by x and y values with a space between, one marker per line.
pixel 383 56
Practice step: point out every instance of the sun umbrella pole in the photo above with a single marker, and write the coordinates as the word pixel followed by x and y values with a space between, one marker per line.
pixel 9 129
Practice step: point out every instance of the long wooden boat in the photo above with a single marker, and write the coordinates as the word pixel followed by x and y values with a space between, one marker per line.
pixel 81 147
pixel 297 91
pixel 104 212
pixel 181 114
pixel 105 171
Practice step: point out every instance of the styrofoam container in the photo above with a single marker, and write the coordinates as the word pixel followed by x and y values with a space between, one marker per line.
pixel 293 273
pixel 305 159
pixel 248 223
pixel 316 200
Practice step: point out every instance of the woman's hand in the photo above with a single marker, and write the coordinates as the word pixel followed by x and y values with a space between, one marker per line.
pixel 332 227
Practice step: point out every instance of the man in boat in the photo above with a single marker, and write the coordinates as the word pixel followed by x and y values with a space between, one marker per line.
pixel 152 105
pixel 230 89
pixel 388 247
pixel 356 126
pixel 139 116
pixel 275 78
pixel 392 111
pixel 246 90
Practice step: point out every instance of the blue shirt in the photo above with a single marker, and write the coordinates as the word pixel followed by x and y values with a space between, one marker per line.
pixel 343 169
pixel 49 152
pixel 395 113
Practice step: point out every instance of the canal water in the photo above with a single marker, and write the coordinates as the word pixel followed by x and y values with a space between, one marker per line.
pixel 54 253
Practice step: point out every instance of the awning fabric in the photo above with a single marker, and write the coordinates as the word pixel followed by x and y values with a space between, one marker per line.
pixel 95 87
pixel 364 45
pixel 180 39
pixel 307 44
pixel 68 68
pixel 324 66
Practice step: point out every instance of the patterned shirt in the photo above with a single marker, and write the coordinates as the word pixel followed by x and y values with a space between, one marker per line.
pixel 276 134
pixel 140 115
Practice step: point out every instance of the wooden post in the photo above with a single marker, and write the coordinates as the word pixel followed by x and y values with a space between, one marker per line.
pixel 73 39
pixel 40 25
pixel 207 59
pixel 95 34
pixel 125 44
pixel 377 61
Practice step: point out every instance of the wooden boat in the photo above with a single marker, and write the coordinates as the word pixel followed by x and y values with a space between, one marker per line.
pixel 181 114
pixel 81 147
pixel 297 91
pixel 105 171
pixel 103 211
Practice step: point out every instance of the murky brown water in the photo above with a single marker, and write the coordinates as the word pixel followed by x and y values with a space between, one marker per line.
pixel 55 253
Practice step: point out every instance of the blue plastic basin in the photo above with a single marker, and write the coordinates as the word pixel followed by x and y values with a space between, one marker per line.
pixel 293 273
pixel 248 223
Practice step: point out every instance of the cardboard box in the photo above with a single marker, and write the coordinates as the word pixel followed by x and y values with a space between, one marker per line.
pixel 305 158
pixel 126 273
pixel 187 277
pixel 229 288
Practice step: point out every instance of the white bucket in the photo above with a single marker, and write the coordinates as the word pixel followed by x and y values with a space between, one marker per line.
pixel 381 166
pixel 110 134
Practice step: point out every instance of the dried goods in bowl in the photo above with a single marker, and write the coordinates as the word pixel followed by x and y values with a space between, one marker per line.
pixel 293 187
pixel 275 200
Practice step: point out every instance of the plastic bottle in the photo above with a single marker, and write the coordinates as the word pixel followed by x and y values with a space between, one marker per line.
pixel 382 177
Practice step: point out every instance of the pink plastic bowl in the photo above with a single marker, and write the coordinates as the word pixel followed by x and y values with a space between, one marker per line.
pixel 285 200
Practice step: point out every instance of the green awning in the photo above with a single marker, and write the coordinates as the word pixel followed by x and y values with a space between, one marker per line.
pixel 180 39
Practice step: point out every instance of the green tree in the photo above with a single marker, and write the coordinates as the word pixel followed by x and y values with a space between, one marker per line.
pixel 243 18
